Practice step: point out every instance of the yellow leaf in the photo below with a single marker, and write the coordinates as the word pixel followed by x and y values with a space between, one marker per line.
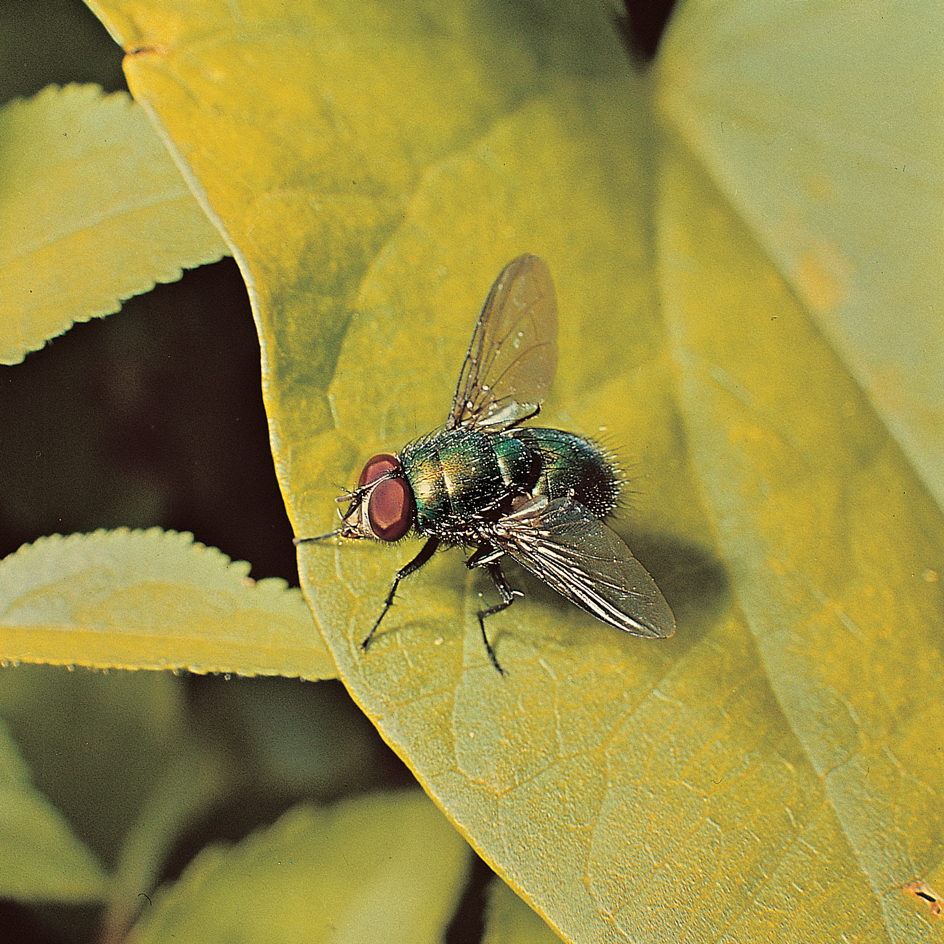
pixel 821 125
pixel 151 600
pixel 92 211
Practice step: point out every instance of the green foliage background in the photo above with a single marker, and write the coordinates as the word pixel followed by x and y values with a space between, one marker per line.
pixel 728 233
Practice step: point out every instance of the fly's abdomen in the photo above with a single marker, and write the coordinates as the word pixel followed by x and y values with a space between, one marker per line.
pixel 462 475
pixel 572 464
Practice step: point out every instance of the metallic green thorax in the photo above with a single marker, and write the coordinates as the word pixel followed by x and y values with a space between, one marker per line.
pixel 465 475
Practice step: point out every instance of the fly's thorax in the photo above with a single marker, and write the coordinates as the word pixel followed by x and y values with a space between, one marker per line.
pixel 572 464
pixel 461 475
pixel 423 470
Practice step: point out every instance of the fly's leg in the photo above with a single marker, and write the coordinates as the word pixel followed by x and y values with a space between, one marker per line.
pixel 485 557
pixel 429 548
pixel 507 598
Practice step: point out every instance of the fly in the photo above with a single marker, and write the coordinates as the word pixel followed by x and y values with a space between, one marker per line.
pixel 487 482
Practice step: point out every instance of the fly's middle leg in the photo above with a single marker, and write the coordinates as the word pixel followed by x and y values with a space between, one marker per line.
pixel 485 557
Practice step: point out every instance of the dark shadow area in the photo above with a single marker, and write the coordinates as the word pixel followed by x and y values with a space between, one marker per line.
pixel 694 583
pixel 52 924
pixel 468 923
pixel 641 27
pixel 291 742
pixel 54 42
pixel 151 416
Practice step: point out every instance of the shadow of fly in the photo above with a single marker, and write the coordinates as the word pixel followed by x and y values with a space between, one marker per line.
pixel 486 481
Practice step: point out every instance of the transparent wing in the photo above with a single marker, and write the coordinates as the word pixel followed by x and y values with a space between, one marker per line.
pixel 579 556
pixel 513 355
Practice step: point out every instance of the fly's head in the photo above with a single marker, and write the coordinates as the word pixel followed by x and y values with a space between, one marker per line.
pixel 382 506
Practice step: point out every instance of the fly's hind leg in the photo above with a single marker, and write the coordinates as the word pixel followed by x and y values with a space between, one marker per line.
pixel 485 557
pixel 429 548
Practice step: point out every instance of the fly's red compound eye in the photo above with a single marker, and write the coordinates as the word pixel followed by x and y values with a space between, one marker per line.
pixel 389 504
pixel 380 465
pixel 390 508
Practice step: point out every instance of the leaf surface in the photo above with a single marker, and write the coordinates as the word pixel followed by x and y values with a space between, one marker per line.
pixel 833 547
pixel 820 123
pixel 155 600
pixel 92 211
pixel 86 735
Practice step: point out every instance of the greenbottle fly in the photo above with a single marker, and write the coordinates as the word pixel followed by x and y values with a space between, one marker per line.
pixel 489 483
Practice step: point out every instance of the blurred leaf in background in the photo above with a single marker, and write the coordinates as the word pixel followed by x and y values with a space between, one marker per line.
pixel 383 867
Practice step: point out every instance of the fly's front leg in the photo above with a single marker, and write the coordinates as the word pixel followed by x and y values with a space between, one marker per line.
pixel 429 548
pixel 486 556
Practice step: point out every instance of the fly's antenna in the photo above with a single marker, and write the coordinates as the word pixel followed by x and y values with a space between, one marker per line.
pixel 330 534
pixel 320 537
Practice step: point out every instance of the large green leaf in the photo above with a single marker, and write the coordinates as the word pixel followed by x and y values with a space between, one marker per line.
pixel 194 779
pixel 761 775
pixel 834 548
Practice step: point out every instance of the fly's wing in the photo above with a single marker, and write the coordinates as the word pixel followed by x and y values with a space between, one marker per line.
pixel 561 543
pixel 513 355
